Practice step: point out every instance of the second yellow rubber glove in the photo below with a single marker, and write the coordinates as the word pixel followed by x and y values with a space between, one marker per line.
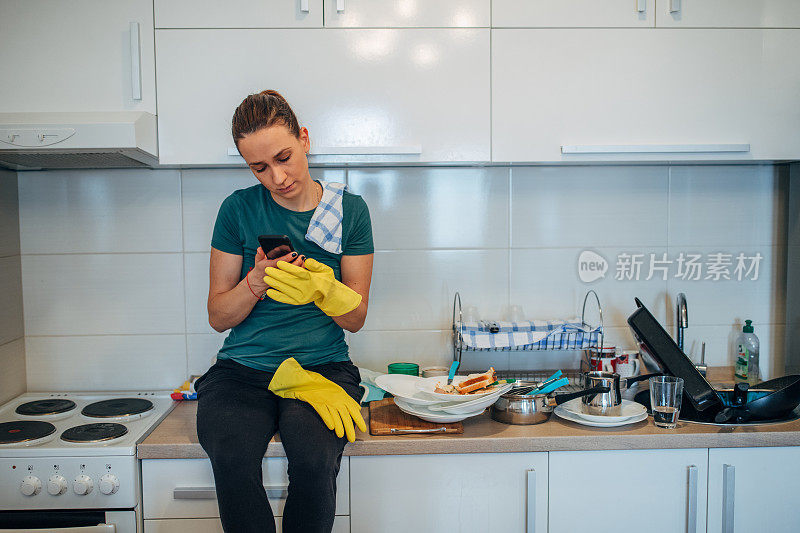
pixel 336 408
pixel 316 283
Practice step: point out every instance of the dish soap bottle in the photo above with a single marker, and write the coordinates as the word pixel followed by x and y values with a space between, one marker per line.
pixel 747 355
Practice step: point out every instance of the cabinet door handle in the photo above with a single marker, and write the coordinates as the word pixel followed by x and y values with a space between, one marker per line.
pixel 304 6
pixel 641 6
pixel 651 148
pixel 674 6
pixel 136 62
pixel 210 493
pixel 728 492
pixel 340 5
pixel 691 511
pixel 354 150
pixel 530 515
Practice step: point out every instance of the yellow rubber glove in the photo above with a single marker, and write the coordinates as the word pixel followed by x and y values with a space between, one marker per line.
pixel 316 283
pixel 336 408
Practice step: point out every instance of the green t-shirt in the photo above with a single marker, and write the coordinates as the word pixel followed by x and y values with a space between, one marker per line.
pixel 274 331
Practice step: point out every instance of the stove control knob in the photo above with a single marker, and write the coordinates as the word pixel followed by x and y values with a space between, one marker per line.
pixel 56 485
pixel 109 484
pixel 30 486
pixel 82 485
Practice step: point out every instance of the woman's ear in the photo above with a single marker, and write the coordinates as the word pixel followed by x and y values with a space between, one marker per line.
pixel 304 140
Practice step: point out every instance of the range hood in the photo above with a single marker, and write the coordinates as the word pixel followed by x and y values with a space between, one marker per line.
pixel 121 139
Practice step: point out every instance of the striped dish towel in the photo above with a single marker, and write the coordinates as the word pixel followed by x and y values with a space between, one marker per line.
pixel 325 228
pixel 552 334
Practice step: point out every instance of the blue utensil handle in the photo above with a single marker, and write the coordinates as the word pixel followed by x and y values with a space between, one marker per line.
pixel 452 373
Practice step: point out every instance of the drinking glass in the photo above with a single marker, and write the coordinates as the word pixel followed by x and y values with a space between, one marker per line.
pixel 666 393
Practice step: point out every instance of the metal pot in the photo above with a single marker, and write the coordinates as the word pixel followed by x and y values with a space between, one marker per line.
pixel 607 403
pixel 524 409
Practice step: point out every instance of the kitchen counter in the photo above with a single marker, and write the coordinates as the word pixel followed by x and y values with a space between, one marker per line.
pixel 176 437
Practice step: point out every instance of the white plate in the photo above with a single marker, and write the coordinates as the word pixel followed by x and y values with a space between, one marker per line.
pixel 425 414
pixel 404 386
pixel 467 407
pixel 628 408
pixel 566 415
pixel 427 386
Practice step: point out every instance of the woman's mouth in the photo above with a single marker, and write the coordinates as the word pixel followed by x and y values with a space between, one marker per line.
pixel 286 189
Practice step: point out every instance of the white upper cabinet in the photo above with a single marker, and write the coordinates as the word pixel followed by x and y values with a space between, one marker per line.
pixel 573 13
pixel 396 95
pixel 81 55
pixel 406 13
pixel 728 13
pixel 664 489
pixel 643 94
pixel 238 13
pixel 752 489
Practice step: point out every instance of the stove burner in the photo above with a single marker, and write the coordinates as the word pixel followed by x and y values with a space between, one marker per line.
pixel 117 407
pixel 94 432
pixel 24 430
pixel 45 407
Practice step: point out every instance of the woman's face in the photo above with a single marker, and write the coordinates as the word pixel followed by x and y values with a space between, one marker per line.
pixel 278 159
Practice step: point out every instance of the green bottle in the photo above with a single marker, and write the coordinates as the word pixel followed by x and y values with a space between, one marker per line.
pixel 746 368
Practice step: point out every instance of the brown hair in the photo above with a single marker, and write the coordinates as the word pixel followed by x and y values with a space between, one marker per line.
pixel 262 110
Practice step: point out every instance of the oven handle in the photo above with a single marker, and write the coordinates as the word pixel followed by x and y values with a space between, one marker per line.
pixel 99 528
pixel 210 493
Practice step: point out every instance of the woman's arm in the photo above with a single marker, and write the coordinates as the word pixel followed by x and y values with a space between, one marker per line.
pixel 231 300
pixel 356 274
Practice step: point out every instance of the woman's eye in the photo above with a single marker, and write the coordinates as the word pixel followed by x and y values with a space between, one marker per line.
pixel 262 169
pixel 285 159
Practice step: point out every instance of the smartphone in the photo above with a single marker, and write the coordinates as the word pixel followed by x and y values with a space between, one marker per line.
pixel 275 246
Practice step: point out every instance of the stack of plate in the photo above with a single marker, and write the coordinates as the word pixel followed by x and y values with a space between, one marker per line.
pixel 572 410
pixel 416 396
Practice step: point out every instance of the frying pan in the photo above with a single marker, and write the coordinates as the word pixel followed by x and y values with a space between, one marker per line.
pixel 775 398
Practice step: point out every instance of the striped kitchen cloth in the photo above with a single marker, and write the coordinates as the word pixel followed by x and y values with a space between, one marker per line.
pixel 568 334
pixel 325 228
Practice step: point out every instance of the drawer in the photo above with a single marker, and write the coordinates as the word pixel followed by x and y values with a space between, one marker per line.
pixel 184 488
pixel 341 524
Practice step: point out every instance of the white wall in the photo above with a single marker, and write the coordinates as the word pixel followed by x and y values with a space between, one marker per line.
pixel 115 262
pixel 12 345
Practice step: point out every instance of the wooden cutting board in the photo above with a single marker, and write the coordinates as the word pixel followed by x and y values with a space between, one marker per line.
pixel 385 418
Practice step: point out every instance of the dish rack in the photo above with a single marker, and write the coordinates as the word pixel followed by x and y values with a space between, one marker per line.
pixel 579 339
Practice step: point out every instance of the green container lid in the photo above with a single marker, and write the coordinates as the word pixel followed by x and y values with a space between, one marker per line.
pixel 411 369
pixel 748 327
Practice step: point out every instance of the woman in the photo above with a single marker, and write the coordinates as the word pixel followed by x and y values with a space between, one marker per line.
pixel 284 365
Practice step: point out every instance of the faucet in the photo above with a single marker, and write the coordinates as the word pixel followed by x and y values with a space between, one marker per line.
pixel 682 319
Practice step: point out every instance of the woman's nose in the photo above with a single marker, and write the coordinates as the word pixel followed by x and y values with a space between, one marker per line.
pixel 278 176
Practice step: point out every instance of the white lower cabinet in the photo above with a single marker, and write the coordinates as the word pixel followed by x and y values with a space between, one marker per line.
pixel 174 489
pixel 598 491
pixel 753 489
pixel 458 492
pixel 341 524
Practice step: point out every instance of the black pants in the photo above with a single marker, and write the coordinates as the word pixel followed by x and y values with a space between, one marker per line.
pixel 237 416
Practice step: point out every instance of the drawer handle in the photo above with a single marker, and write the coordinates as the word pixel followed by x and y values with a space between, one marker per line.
pixel 691 512
pixel 641 6
pixel 304 6
pixel 530 515
pixel 210 493
pixel 674 6
pixel 339 5
pixel 728 492
pixel 651 148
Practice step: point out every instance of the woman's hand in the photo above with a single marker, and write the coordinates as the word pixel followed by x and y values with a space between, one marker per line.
pixel 256 276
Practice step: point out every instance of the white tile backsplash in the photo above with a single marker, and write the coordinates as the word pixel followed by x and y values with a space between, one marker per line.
pixel 106 362
pixel 731 205
pixel 498 235
pixel 578 206
pixel 430 208
pixel 101 211
pixel 103 294
pixel 415 289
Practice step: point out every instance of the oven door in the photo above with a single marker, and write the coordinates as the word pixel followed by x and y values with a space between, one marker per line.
pixel 67 521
